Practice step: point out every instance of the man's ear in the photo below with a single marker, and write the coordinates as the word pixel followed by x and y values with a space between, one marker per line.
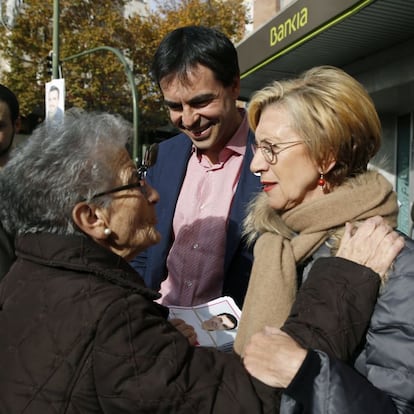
pixel 90 219
pixel 236 87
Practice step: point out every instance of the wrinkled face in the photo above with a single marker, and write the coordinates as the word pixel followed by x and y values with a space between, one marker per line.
pixel 7 128
pixel 131 215
pixel 202 107
pixel 218 323
pixel 293 178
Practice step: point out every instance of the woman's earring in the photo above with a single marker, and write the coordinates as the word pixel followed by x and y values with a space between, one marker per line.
pixel 321 181
pixel 107 231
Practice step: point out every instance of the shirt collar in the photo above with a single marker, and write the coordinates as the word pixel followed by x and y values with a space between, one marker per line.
pixel 238 141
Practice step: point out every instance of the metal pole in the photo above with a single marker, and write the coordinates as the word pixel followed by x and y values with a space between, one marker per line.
pixel 55 56
pixel 136 151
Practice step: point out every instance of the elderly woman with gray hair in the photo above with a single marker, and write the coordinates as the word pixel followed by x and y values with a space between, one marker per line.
pixel 80 331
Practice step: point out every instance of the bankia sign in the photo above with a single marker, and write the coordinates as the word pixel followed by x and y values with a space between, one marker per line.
pixel 298 21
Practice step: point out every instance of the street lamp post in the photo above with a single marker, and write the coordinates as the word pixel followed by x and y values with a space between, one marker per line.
pixel 55 47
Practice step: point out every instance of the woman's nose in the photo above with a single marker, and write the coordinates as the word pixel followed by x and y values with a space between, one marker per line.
pixel 258 163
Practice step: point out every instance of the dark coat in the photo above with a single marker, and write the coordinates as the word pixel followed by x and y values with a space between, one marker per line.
pixel 167 177
pixel 382 379
pixel 331 314
pixel 81 334
pixel 7 256
pixel 333 307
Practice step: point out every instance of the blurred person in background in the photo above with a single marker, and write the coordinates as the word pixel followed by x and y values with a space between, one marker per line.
pixel 9 122
pixel 9 127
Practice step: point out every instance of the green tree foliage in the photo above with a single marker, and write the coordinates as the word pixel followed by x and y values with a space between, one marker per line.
pixel 95 81
pixel 98 81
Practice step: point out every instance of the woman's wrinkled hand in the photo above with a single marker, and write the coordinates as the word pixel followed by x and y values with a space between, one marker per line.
pixel 187 330
pixel 273 357
pixel 373 244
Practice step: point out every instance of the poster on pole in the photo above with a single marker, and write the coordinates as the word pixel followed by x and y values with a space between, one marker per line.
pixel 55 100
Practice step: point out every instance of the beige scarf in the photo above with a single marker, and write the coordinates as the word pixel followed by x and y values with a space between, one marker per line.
pixel 272 287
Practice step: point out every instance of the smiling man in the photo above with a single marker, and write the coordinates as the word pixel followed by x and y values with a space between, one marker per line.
pixel 202 174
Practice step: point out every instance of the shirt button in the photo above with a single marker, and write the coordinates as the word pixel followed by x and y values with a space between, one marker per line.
pixel 189 283
pixel 195 246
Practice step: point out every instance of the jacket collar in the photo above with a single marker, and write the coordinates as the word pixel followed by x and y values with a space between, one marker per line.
pixel 83 255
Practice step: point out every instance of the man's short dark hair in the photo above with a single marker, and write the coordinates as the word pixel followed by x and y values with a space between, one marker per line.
pixel 232 318
pixel 185 47
pixel 54 88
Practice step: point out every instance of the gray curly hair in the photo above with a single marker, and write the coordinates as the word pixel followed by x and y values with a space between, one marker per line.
pixel 58 167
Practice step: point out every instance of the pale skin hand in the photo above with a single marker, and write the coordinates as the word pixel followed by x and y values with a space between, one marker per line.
pixel 187 330
pixel 274 357
pixel 373 244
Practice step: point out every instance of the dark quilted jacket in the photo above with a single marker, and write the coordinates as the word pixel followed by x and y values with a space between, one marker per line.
pixel 81 334
pixel 386 360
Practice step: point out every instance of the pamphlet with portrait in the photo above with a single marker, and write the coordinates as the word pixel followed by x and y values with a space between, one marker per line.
pixel 215 322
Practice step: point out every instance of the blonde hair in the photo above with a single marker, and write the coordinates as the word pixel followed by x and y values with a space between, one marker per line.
pixel 332 112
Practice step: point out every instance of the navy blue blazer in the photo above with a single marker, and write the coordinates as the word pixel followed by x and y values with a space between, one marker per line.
pixel 167 177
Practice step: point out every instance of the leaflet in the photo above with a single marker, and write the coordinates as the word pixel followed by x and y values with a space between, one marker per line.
pixel 215 322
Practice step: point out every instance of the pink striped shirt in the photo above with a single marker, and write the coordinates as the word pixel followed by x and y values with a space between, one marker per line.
pixel 196 260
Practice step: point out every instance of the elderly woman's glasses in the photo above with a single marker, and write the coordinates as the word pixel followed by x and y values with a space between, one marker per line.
pixel 271 151
pixel 148 161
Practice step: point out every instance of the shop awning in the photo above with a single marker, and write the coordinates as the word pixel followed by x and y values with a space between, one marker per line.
pixel 314 32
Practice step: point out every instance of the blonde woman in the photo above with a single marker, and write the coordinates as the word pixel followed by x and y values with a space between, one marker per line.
pixel 315 136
